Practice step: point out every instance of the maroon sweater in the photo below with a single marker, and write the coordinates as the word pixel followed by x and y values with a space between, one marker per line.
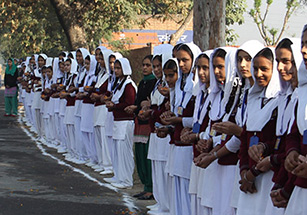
pixel 203 127
pixel 71 100
pixel 231 158
pixel 102 90
pixel 266 136
pixel 125 100
pixel 187 112
pixel 295 142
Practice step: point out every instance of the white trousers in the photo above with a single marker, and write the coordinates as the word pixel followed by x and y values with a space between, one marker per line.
pixel 62 132
pixel 102 148
pixel 89 145
pixel 160 182
pixel 80 147
pixel 180 199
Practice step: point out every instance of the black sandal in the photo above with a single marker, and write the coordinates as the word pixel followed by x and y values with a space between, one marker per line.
pixel 139 194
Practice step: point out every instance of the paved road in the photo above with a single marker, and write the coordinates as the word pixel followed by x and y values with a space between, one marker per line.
pixel 36 180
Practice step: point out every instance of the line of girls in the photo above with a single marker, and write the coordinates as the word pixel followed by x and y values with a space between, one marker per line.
pixel 228 125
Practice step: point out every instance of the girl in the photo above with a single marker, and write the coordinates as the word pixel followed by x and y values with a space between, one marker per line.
pixel 260 125
pixel 71 70
pixel 100 112
pixel 37 89
pixel 142 130
pixel 158 147
pixel 10 93
pixel 87 110
pixel 81 53
pixel 295 162
pixel 200 118
pixel 124 93
pixel 180 118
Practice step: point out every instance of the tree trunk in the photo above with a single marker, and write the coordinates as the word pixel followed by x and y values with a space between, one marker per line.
pixel 209 23
pixel 176 36
pixel 71 23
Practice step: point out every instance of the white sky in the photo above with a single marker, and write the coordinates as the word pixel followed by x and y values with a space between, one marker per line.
pixel 248 29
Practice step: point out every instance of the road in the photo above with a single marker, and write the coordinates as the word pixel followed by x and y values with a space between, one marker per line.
pixel 35 179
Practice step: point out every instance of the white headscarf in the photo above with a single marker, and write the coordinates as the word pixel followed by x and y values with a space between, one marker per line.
pixel 301 117
pixel 103 76
pixel 188 89
pixel 36 71
pixel 112 79
pixel 216 89
pixel 252 47
pixel 165 50
pixel 258 117
pixel 90 77
pixel 285 107
pixel 172 92
pixel 203 92
pixel 73 71
pixel 126 68
pixel 82 71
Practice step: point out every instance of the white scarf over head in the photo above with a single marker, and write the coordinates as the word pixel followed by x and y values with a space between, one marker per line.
pixel 126 68
pixel 216 89
pixel 301 117
pixel 117 55
pixel 37 70
pixel 73 71
pixel 286 108
pixel 188 89
pixel 104 74
pixel 173 93
pixel 90 77
pixel 258 117
pixel 165 50
pixel 202 92
pixel 252 47
pixel 82 71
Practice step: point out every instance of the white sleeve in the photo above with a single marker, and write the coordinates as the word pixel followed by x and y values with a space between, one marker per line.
pixel 73 94
pixel 233 144
pixel 216 140
pixel 187 122
pixel 205 134
pixel 81 89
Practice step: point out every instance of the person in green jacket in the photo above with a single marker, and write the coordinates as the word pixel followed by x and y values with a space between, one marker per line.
pixel 10 93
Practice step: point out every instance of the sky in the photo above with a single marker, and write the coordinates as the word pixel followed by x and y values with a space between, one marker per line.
pixel 248 30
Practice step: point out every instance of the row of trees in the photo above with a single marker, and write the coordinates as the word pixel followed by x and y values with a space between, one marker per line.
pixel 50 26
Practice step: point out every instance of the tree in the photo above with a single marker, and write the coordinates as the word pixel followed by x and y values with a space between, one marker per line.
pixel 209 23
pixel 212 21
pixel 29 26
pixel 271 35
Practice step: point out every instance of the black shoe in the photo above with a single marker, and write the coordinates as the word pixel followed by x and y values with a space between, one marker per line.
pixel 139 194
pixel 146 197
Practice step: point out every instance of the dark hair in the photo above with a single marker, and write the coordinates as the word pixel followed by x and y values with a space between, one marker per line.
pixel 203 55
pixel 267 53
pixel 171 64
pixel 176 47
pixel 148 57
pixel 285 43
pixel 62 54
pixel 219 53
pixel 68 59
pixel 157 57
pixel 41 57
pixel 70 55
pixel 88 58
pixel 186 48
pixel 112 55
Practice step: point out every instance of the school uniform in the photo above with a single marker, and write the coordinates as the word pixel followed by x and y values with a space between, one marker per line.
pixel 260 125
pixel 122 159
pixel 100 116
pixel 87 115
pixel 69 118
pixel 80 145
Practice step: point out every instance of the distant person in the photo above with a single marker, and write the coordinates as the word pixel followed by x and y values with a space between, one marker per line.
pixel 10 83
